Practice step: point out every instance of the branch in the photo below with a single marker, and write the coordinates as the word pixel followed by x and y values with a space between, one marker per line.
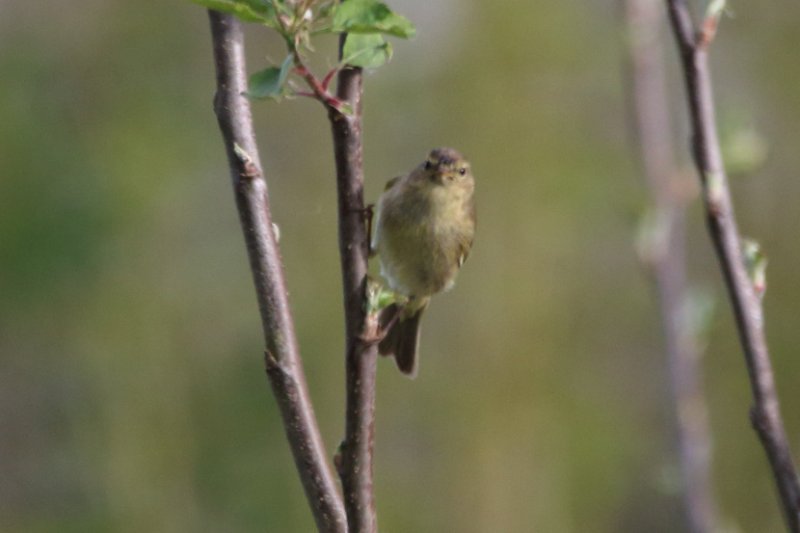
pixel 765 413
pixel 283 364
pixel 665 254
pixel 319 90
pixel 355 454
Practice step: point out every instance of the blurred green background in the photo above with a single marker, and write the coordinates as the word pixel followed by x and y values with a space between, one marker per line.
pixel 132 392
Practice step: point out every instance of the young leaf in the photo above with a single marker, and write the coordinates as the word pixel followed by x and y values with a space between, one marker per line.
pixel 744 150
pixel 379 297
pixel 270 82
pixel 366 50
pixel 715 8
pixel 247 10
pixel 652 236
pixel 370 16
pixel 697 313
pixel 756 263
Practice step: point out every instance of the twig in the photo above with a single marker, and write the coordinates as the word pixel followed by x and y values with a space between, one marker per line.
pixel 355 454
pixel 765 413
pixel 283 364
pixel 319 89
pixel 666 256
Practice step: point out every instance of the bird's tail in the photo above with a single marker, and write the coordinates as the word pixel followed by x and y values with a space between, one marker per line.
pixel 402 339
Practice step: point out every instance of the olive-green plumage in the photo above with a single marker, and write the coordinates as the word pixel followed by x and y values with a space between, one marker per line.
pixel 425 226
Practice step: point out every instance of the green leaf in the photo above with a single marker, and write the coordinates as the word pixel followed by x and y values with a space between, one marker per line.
pixel 715 8
pixel 379 297
pixel 652 236
pixel 755 261
pixel 247 10
pixel 370 16
pixel 270 82
pixel 388 297
pixel 744 150
pixel 697 313
pixel 366 50
pixel 324 9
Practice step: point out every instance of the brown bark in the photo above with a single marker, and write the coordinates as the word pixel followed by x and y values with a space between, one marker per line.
pixel 282 358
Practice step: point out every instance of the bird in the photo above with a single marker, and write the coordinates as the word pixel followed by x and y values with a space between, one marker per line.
pixel 425 226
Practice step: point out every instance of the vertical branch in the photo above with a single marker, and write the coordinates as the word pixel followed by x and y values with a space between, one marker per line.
pixel 765 413
pixel 282 359
pixel 667 259
pixel 355 455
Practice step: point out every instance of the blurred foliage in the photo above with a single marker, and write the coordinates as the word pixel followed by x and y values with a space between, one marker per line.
pixel 132 395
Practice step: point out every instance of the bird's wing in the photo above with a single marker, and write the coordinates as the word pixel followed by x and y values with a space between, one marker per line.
pixel 391 182
pixel 465 240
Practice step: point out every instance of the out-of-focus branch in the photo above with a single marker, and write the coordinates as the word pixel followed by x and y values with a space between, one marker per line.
pixel 665 254
pixel 354 460
pixel 283 364
pixel 765 413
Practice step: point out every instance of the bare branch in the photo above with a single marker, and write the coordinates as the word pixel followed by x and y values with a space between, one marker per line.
pixel 283 364
pixel 682 25
pixel 722 226
pixel 355 455
pixel 667 259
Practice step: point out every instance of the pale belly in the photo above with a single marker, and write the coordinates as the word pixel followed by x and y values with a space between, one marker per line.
pixel 421 259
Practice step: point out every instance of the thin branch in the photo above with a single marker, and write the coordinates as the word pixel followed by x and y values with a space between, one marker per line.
pixel 355 455
pixel 765 413
pixel 283 364
pixel 666 256
pixel 319 89
pixel 682 25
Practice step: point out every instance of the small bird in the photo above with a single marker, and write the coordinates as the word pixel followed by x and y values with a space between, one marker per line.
pixel 424 232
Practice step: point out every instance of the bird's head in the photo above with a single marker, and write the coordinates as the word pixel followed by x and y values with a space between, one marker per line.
pixel 446 166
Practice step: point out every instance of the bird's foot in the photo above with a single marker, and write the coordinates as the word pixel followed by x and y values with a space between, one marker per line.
pixel 381 331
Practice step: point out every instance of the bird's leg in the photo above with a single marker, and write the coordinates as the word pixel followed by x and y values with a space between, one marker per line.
pixel 369 214
pixel 383 329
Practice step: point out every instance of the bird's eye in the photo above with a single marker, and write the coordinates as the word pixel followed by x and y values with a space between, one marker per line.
pixel 428 165
pixel 462 170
